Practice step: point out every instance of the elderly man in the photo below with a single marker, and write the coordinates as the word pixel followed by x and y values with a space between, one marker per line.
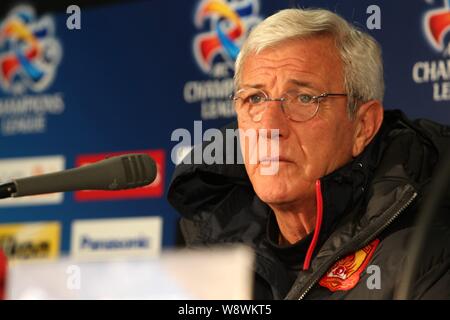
pixel 350 176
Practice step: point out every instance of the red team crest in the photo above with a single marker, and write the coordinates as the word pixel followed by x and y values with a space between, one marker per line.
pixel 436 24
pixel 345 273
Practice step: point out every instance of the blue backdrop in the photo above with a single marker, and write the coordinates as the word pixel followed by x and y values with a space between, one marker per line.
pixel 130 76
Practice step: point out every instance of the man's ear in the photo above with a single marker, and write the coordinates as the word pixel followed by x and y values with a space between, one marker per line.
pixel 368 121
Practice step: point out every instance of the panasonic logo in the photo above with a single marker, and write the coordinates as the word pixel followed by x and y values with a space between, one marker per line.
pixel 114 244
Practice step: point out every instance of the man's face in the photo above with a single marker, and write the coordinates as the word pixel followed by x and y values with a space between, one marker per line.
pixel 307 150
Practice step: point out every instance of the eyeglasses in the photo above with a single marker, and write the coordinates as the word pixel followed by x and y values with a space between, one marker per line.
pixel 298 106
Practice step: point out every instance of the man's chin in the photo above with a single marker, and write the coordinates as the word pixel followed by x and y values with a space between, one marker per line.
pixel 278 190
pixel 272 197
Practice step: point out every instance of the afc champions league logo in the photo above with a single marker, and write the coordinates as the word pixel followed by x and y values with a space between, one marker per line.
pixel 29 51
pixel 436 24
pixel 228 24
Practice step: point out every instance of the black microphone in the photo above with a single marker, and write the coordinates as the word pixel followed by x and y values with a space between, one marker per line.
pixel 115 173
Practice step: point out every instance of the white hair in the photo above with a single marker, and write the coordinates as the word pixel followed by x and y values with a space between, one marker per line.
pixel 360 53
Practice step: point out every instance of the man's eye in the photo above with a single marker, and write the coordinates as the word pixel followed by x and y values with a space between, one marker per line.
pixel 255 99
pixel 305 98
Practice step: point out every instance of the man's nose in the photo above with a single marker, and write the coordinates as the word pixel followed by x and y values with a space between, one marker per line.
pixel 274 117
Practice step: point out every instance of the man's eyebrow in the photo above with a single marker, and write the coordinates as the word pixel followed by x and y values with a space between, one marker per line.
pixel 256 86
pixel 301 83
pixel 295 82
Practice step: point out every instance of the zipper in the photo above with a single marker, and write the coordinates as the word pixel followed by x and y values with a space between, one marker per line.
pixel 319 215
pixel 380 230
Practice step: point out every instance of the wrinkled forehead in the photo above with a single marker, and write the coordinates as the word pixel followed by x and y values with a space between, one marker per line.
pixel 311 61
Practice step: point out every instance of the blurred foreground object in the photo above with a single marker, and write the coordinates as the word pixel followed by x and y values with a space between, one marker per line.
pixel 222 273
pixel 3 267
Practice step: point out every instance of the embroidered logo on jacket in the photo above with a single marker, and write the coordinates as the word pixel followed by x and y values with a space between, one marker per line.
pixel 345 273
